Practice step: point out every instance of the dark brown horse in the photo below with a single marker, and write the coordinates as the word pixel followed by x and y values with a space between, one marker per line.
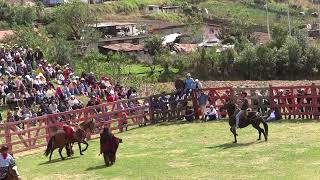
pixel 59 139
pixel 252 118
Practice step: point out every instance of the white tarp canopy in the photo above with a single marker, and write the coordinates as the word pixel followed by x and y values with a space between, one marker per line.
pixel 170 38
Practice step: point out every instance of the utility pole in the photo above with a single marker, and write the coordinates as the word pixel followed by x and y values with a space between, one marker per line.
pixel 318 14
pixel 268 23
pixel 289 23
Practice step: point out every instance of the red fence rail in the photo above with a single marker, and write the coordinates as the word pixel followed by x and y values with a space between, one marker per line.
pixel 37 131
pixel 295 101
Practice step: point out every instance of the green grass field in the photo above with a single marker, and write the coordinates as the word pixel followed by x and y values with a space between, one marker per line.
pixel 193 151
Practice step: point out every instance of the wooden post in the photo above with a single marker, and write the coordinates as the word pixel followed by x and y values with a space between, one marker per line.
pixel 8 136
pixel 271 98
pixel 151 110
pixel 314 101
pixel 46 122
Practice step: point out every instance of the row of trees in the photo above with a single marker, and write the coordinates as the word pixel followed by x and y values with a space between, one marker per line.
pixel 284 57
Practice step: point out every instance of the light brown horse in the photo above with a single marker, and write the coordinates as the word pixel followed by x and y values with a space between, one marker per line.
pixel 59 139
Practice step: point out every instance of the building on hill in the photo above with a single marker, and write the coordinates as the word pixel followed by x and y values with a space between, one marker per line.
pixel 116 29
pixel 163 9
pixel 152 9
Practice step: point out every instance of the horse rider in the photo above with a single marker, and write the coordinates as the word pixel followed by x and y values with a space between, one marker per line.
pixel 6 160
pixel 243 108
pixel 69 130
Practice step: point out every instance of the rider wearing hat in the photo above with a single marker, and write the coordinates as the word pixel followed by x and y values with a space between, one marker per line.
pixel 243 108
pixel 5 161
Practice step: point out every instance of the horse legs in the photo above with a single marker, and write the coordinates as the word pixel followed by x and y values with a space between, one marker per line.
pixel 234 132
pixel 60 150
pixel 51 151
pixel 260 130
pixel 79 144
pixel 84 142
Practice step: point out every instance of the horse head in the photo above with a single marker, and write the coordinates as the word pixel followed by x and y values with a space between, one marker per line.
pixel 89 125
pixel 80 134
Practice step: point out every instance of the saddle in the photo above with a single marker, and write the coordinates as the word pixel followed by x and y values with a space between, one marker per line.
pixel 245 115
pixel 69 132
pixel 248 115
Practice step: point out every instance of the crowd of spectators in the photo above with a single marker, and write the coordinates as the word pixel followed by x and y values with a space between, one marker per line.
pixel 30 86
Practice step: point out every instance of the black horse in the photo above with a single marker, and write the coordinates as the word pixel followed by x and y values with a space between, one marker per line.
pixel 252 118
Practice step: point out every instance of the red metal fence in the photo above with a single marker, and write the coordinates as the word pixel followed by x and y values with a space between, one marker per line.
pixel 295 101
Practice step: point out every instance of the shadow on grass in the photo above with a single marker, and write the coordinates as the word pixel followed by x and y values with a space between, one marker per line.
pixel 57 161
pixel 181 122
pixel 233 145
pixel 96 167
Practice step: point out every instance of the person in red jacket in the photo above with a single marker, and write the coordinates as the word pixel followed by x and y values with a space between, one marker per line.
pixel 108 146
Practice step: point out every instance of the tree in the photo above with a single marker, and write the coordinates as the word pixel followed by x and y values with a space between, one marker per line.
pixel 246 62
pixel 311 64
pixel 154 45
pixel 74 17
pixel 266 62
pixel 62 51
pixel 279 36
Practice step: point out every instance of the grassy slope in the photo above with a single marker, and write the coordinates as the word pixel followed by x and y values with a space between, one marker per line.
pixel 194 151
pixel 232 10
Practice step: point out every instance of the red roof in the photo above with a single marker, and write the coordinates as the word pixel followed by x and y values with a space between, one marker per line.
pixel 4 34
pixel 185 48
pixel 125 47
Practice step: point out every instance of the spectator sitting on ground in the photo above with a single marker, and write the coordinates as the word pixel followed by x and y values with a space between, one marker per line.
pixel 74 103
pixel 189 116
pixel 212 113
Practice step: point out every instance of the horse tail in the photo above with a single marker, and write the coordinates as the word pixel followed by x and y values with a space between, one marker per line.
pixel 265 125
pixel 49 146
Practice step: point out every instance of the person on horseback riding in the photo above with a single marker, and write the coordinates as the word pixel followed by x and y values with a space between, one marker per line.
pixel 243 108
pixel 6 160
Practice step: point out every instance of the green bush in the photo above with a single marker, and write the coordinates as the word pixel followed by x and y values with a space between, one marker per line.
pixel 16 15
pixel 170 17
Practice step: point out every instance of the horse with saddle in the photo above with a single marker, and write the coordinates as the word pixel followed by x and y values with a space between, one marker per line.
pixel 241 118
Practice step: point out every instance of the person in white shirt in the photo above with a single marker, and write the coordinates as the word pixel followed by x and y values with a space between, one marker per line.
pixel 74 103
pixel 6 160
pixel 272 115
pixel 53 107
pixel 50 93
pixel 212 113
